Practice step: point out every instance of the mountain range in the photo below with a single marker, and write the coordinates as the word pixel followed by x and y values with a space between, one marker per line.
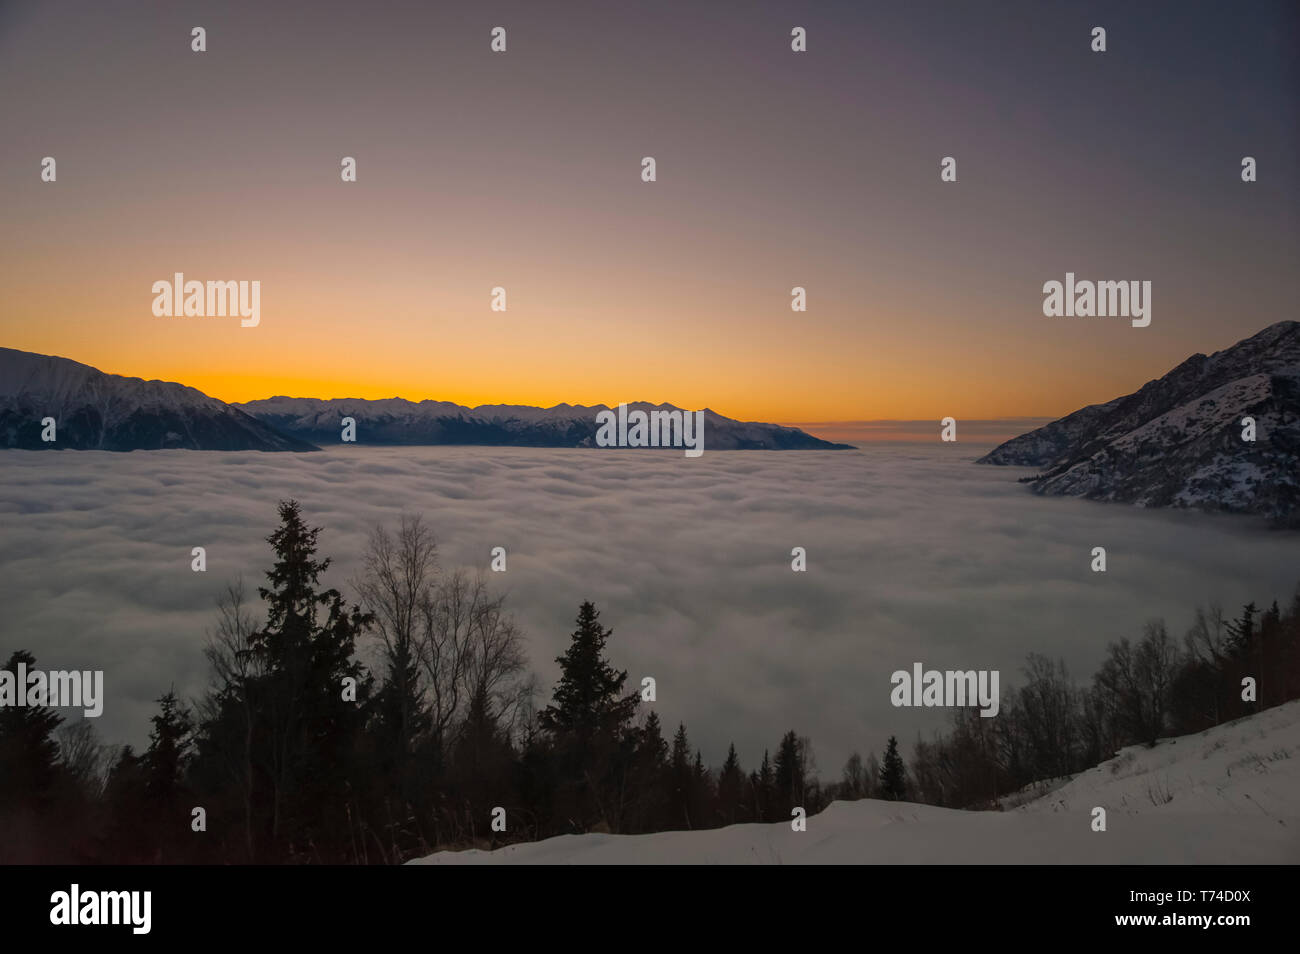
pixel 93 410
pixel 398 421
pixel 1179 441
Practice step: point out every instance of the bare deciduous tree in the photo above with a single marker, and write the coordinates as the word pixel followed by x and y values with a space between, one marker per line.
pixel 450 628
pixel 397 583
pixel 84 756
pixel 1133 683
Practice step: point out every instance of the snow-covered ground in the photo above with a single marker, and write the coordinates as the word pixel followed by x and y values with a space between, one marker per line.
pixel 1230 795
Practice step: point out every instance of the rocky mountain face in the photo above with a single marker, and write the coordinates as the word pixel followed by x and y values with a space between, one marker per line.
pixel 398 421
pixel 1178 441
pixel 97 411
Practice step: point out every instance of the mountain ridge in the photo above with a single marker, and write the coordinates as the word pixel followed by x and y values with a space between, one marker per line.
pixel 401 421
pixel 97 410
pixel 1177 441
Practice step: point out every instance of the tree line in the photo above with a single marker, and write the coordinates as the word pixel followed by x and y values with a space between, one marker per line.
pixel 297 752
pixel 1050 729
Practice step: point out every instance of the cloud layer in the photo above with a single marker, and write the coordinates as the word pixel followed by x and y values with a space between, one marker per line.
pixel 914 554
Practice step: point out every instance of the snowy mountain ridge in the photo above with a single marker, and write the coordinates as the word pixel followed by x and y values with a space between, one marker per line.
pixel 93 410
pixel 97 411
pixel 399 421
pixel 1178 440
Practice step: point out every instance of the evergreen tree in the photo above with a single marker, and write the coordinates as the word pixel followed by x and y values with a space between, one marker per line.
pixel 731 783
pixel 402 722
pixel 590 722
pixel 1241 632
pixel 649 809
pixel 701 794
pixel 587 700
pixel 165 760
pixel 483 764
pixel 131 833
pixel 312 700
pixel 764 790
pixel 651 742
pixel 790 775
pixel 36 791
pixel 28 751
pixel 680 780
pixel 893 781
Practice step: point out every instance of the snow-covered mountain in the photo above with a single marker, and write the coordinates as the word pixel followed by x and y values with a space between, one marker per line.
pixel 398 421
pixel 1177 441
pixel 97 411
pixel 1229 795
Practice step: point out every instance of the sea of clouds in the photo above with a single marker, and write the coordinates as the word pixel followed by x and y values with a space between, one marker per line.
pixel 915 554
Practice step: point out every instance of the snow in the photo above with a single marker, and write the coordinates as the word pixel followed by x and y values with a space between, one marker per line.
pixel 1229 795
pixel 1212 411
pixel 58 385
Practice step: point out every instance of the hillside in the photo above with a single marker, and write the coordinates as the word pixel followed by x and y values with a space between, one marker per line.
pixel 1229 795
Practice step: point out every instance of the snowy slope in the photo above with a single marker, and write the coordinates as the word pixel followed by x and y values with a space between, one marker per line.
pixel 1230 795
pixel 398 421
pixel 98 411
pixel 1177 441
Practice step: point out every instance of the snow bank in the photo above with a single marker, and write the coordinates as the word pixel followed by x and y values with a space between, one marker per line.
pixel 1230 795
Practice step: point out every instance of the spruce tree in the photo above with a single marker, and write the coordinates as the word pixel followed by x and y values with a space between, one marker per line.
pixel 701 793
pixel 650 808
pixel 132 830
pixel 162 778
pixel 680 780
pixel 313 701
pixel 402 722
pixel 28 751
pixel 789 775
pixel 588 698
pixel 893 781
pixel 764 790
pixel 651 743
pixel 731 783
pixel 165 760
pixel 1241 632
pixel 590 722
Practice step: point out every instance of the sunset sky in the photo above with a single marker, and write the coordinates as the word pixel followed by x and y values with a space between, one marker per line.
pixel 775 169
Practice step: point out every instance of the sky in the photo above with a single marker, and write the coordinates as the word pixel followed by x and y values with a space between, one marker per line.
pixel 775 169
